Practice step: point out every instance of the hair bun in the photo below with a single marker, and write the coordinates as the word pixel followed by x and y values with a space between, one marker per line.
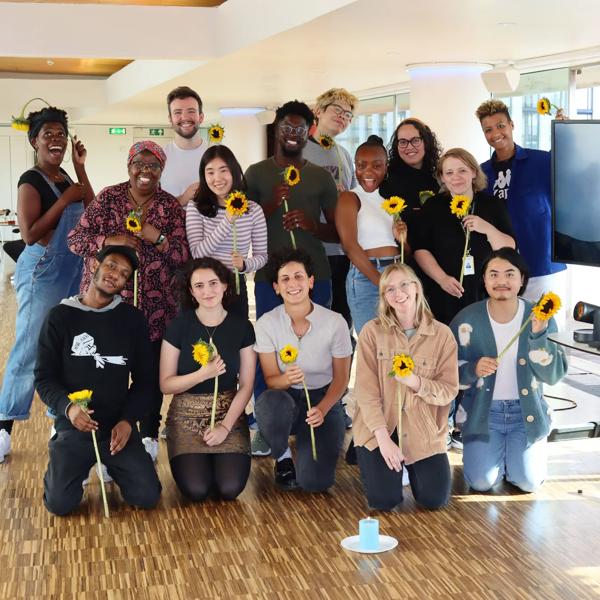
pixel 374 139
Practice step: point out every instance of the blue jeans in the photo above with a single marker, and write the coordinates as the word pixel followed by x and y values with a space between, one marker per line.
pixel 44 276
pixel 363 294
pixel 505 452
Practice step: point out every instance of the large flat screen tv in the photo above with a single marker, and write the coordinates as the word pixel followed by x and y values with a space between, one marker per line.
pixel 576 192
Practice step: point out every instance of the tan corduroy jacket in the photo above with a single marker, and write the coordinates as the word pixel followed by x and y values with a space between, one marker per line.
pixel 425 413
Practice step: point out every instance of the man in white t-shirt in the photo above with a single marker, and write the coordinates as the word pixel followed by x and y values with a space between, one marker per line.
pixel 180 175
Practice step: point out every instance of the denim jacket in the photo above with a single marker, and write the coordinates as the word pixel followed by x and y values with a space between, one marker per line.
pixel 538 360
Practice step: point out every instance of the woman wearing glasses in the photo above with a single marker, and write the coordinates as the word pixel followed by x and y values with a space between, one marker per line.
pixel 159 240
pixel 402 420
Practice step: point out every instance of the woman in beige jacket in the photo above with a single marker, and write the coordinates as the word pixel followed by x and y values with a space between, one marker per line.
pixel 405 325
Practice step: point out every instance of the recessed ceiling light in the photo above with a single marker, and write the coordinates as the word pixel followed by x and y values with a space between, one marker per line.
pixel 506 24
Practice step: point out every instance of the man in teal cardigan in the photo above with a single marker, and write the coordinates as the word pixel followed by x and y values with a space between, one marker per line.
pixel 508 418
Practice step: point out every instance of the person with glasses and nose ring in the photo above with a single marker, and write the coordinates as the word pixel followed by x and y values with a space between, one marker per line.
pixel 160 244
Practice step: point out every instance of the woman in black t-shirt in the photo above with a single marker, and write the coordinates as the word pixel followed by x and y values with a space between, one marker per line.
pixel 205 460
pixel 440 240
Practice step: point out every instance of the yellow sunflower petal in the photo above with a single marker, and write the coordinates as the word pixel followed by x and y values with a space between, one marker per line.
pixel 394 205
pixel 291 175
pixel 402 365
pixel 216 133
pixel 548 305
pixel 202 352
pixel 460 205
pixel 133 223
pixel 288 354
pixel 236 203
pixel 81 397
pixel 543 106
pixel 326 142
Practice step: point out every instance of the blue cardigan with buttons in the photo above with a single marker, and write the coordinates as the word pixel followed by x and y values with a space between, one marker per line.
pixel 538 360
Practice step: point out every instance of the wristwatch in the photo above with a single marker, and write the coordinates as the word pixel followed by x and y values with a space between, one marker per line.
pixel 161 238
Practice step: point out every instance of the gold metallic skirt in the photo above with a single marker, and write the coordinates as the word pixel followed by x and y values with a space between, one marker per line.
pixel 189 418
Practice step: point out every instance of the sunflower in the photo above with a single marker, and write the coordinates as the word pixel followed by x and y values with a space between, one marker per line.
pixel 288 354
pixel 236 203
pixel 402 365
pixel 19 123
pixel 202 352
pixel 216 133
pixel 326 142
pixel 394 205
pixel 133 223
pixel 424 195
pixel 543 106
pixel 547 306
pixel 81 397
pixel 291 175
pixel 460 205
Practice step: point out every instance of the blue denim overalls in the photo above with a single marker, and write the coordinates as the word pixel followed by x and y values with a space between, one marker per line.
pixel 44 276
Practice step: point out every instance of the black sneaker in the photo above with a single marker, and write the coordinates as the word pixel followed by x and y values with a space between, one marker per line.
pixel 457 441
pixel 285 475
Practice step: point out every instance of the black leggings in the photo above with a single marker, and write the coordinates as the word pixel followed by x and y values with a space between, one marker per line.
pixel 430 480
pixel 199 475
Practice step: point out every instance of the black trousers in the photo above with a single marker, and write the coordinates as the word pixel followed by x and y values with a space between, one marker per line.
pixel 281 413
pixel 71 455
pixel 430 480
pixel 150 423
pixel 239 306
pixel 340 265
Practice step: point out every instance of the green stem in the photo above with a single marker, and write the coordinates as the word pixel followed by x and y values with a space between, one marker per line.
pixel 213 412
pixel 312 429
pixel 135 288
pixel 99 467
pixel 399 393
pixel 235 269
pixel 285 206
pixel 515 337
pixel 464 257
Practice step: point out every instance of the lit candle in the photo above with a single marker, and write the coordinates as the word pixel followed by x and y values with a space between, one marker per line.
pixel 368 534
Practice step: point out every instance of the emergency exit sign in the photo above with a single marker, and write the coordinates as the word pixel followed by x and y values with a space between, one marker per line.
pixel 117 131
pixel 157 131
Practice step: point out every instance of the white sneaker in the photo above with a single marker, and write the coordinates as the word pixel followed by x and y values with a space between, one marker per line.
pixel 151 446
pixel 105 476
pixel 4 444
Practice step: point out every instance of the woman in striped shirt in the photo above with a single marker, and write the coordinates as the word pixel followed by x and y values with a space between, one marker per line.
pixel 210 229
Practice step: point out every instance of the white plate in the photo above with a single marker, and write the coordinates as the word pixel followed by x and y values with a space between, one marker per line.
pixel 385 543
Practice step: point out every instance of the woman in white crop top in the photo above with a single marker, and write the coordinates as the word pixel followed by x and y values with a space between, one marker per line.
pixel 367 232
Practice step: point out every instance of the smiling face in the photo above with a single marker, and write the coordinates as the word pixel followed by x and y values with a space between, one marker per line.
pixel 502 280
pixel 218 178
pixel 112 274
pixel 144 172
pixel 400 292
pixel 291 134
pixel 457 177
pixel 370 166
pixel 411 147
pixel 51 143
pixel 206 288
pixel 293 283
pixel 185 117
pixel 498 131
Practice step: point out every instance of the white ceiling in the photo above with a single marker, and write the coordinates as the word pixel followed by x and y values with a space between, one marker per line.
pixel 250 53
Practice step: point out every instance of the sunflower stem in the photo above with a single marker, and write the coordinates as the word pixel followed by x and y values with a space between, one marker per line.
pixel 98 465
pixel 514 337
pixel 312 429
pixel 285 205
pixel 213 412
pixel 464 256
pixel 398 392
pixel 235 269
pixel 135 288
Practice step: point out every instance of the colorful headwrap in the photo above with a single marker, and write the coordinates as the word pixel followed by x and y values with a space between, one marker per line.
pixel 152 147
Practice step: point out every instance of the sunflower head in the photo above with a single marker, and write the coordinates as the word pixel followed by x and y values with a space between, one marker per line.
pixel 460 206
pixel 19 123
pixel 203 352
pixel 81 397
pixel 543 106
pixel 424 195
pixel 326 142
pixel 291 175
pixel 288 354
pixel 236 203
pixel 547 306
pixel 402 366
pixel 394 205
pixel 132 222
pixel 216 133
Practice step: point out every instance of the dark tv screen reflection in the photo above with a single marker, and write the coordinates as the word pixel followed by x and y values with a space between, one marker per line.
pixel 576 192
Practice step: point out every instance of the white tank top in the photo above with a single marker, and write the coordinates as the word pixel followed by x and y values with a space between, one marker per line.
pixel 373 224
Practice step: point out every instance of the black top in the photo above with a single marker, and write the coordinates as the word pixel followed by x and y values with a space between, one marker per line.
pixel 233 334
pixel 47 196
pixel 97 350
pixel 442 234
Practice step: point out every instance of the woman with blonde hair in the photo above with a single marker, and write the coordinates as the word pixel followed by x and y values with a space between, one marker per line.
pixel 402 420
pixel 441 239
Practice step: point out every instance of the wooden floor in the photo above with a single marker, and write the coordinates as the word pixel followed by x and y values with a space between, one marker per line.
pixel 273 545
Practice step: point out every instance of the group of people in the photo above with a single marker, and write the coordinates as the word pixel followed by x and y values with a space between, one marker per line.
pixel 141 291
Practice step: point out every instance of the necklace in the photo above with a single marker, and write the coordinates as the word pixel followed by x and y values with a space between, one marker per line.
pixel 56 178
pixel 139 207
pixel 210 333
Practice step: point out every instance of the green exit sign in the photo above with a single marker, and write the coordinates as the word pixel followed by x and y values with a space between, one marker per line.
pixel 117 130
pixel 157 131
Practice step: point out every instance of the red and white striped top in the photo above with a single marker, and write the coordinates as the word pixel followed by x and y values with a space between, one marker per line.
pixel 213 236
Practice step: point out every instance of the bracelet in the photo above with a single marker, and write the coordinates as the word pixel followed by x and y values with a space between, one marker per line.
pixel 161 238
pixel 224 427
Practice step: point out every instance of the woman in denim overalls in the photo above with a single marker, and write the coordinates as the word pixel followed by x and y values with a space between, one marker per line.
pixel 49 206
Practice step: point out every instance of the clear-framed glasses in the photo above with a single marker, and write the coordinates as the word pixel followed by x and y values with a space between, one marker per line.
pixel 140 165
pixel 415 142
pixel 289 130
pixel 341 112
pixel 403 287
